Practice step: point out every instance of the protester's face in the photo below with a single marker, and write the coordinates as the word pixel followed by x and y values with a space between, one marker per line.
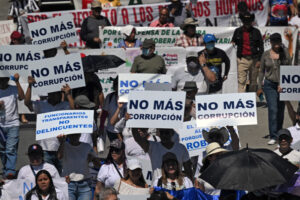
pixel 54 98
pixel 96 12
pixel 193 67
pixel 165 135
pixel 148 51
pixel 116 153
pixel 143 132
pixel 4 82
pixel 111 197
pixel 135 174
pixel 43 182
pixel 210 47
pixel 18 41
pixel 213 157
pixel 74 138
pixel 284 141
pixel 191 30
pixel 191 94
pixel 171 166
pixel 247 25
pixel 276 46
pixel 35 160
pixel 163 16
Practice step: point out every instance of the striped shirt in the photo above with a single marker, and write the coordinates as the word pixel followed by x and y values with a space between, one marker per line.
pixel 184 41
pixel 20 7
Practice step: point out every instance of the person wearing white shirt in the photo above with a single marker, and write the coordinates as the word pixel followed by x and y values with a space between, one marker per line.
pixel 9 124
pixel 114 168
pixel 53 103
pixel 156 150
pixel 295 132
pixel 35 154
pixel 285 151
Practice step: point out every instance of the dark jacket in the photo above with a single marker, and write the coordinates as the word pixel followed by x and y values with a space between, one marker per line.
pixel 256 42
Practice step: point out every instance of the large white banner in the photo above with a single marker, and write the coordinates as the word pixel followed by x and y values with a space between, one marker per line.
pixel 52 32
pixel 136 82
pixel 6 28
pixel 52 73
pixel 18 59
pixel 18 188
pixel 155 109
pixel 52 124
pixel 226 109
pixel 289 82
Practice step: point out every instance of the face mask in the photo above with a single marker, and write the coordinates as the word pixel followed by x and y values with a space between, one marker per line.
pixel 145 52
pixel 193 67
pixel 210 46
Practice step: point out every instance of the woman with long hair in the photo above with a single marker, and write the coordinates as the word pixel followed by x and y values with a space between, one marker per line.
pixel 269 76
pixel 172 177
pixel 133 183
pixel 114 168
pixel 44 189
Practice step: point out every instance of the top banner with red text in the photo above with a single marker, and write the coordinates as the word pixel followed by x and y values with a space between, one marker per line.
pixel 207 12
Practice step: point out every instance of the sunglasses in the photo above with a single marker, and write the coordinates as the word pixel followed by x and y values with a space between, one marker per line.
pixel 115 150
pixel 284 137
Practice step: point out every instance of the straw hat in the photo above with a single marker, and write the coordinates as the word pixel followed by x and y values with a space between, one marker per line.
pixel 213 148
pixel 188 22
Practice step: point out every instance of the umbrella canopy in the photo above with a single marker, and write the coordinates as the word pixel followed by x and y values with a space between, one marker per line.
pixel 248 169
pixel 93 63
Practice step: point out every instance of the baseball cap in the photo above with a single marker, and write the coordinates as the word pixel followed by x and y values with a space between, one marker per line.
pixel 209 38
pixel 15 35
pixel 96 4
pixel 191 54
pixel 284 132
pixel 35 149
pixel 275 37
pixel 148 43
pixel 169 156
pixel 84 102
pixel 118 144
pixel 133 164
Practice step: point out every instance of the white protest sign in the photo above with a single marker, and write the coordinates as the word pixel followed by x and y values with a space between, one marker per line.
pixel 226 109
pixel 52 73
pixel 191 137
pixel 17 59
pixel 49 125
pixel 6 28
pixel 52 32
pixel 136 82
pixel 18 188
pixel 155 109
pixel 289 82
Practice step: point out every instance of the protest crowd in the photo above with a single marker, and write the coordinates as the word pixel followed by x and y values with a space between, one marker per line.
pixel 143 99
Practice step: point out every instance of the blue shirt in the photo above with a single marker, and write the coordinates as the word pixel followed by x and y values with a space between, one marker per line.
pixel 122 43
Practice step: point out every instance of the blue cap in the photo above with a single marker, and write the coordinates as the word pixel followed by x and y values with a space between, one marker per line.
pixel 209 38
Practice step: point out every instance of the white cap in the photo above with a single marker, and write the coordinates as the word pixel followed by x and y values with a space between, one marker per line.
pixel 133 164
pixel 191 54
pixel 127 30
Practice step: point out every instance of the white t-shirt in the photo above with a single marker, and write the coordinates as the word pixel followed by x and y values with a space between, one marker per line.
pixel 75 159
pixel 133 149
pixel 157 151
pixel 108 174
pixel 26 172
pixel 295 132
pixel 209 189
pixel 295 21
pixel 125 188
pixel 59 195
pixel 187 183
pixel 293 156
pixel 9 116
pixel 50 144
pixel 87 137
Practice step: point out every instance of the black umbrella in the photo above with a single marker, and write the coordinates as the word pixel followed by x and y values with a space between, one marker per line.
pixel 248 169
pixel 93 63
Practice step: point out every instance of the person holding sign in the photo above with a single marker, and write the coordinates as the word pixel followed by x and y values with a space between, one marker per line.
pixel 214 58
pixel 44 188
pixel 9 123
pixel 134 182
pixel 148 62
pixel 172 177
pixel 90 26
pixel 156 150
pixel 195 72
pixel 269 75
pixel 189 38
pixel 54 102
pixel 179 12
pixel 129 42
